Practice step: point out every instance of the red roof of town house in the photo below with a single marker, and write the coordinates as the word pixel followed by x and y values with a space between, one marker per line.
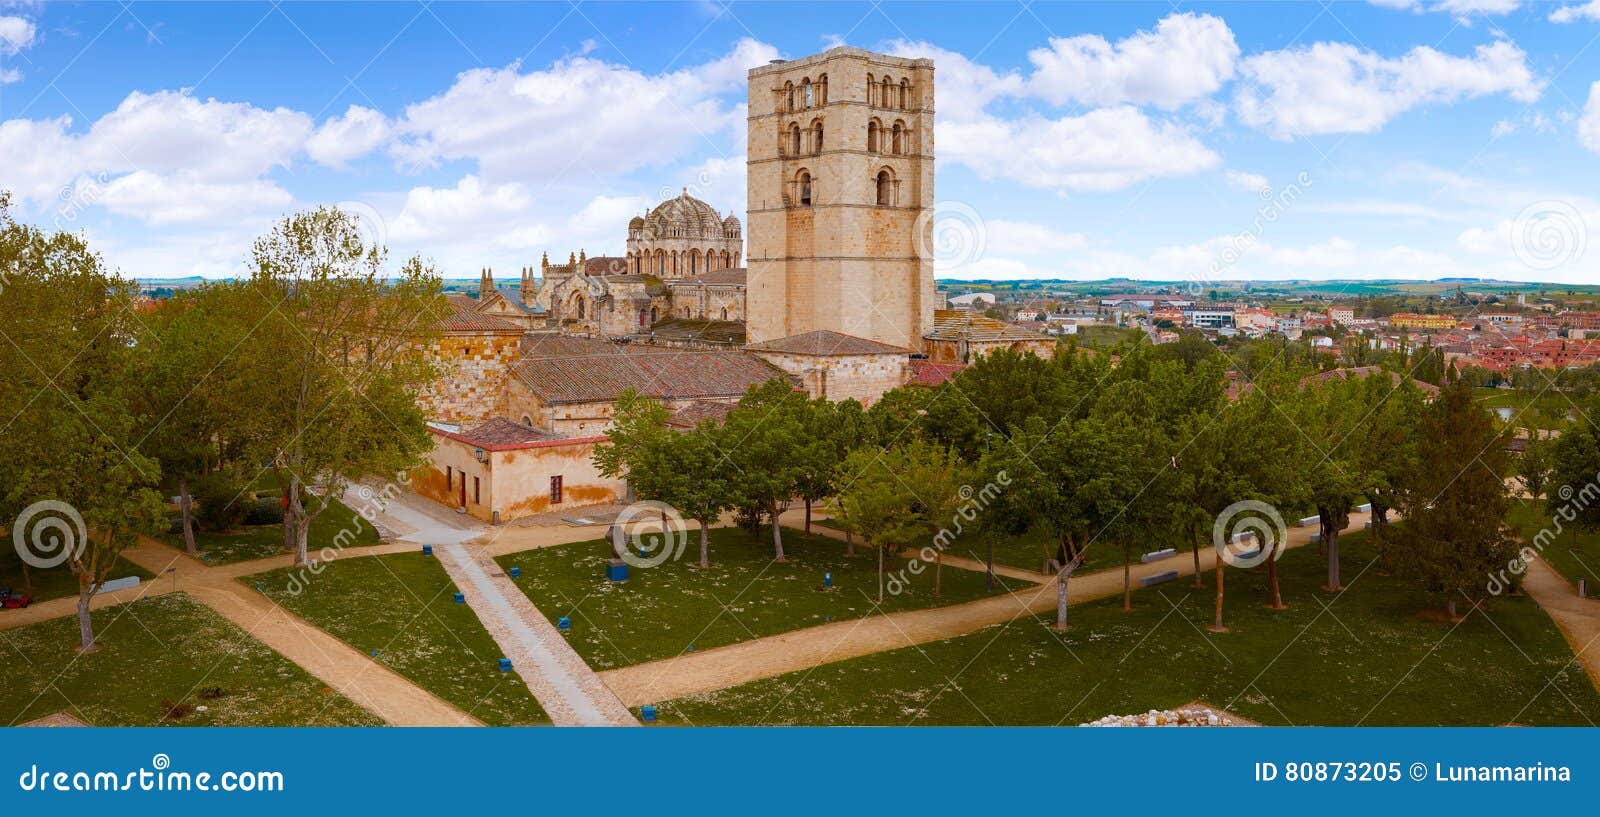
pixel 461 317
pixel 676 374
pixel 501 434
pixel 927 373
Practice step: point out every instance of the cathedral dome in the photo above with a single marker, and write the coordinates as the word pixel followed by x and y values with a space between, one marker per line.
pixel 685 216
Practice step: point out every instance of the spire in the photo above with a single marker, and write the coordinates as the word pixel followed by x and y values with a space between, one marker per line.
pixel 581 257
pixel 544 263
pixel 485 284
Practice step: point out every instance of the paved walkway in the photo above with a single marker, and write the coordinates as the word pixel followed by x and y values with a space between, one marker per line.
pixel 734 664
pixel 566 687
pixel 1579 619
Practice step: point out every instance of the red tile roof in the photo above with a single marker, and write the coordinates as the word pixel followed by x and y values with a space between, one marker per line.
pixel 501 434
pixel 666 374
pixel 827 343
pixel 461 317
pixel 698 412
pixel 927 373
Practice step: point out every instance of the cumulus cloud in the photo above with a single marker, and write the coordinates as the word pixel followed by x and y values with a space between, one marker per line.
pixel 965 88
pixel 1247 182
pixel 348 137
pixel 183 199
pixel 582 115
pixel 1105 149
pixel 16 33
pixel 1339 88
pixel 1589 123
pixel 1187 57
pixel 1461 8
pixel 1572 14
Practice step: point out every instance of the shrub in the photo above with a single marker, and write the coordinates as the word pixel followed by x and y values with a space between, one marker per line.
pixel 264 511
pixel 223 504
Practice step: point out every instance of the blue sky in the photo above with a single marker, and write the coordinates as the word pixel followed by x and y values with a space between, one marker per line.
pixel 1393 139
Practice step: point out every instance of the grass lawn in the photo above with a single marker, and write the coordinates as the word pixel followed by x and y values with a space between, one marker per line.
pixel 1101 336
pixel 154 654
pixel 1582 562
pixel 261 541
pixel 55 582
pixel 663 611
pixel 1370 659
pixel 1547 410
pixel 402 605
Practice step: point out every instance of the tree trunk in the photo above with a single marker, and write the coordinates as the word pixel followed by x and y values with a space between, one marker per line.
pixel 808 515
pixel 85 622
pixel 1216 624
pixel 938 569
pixel 777 537
pixel 27 578
pixel 988 576
pixel 1194 539
pixel 705 547
pixel 1065 575
pixel 880 574
pixel 184 504
pixel 1272 582
pixel 1127 583
pixel 1330 539
pixel 1450 607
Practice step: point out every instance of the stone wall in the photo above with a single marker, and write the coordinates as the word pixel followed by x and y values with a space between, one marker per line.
pixel 864 378
pixel 473 372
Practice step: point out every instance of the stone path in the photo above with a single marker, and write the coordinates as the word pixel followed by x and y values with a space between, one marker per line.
pixel 565 686
pixel 734 664
pixel 1579 619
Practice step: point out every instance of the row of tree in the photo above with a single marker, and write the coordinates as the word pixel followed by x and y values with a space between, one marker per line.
pixel 1130 450
pixel 308 368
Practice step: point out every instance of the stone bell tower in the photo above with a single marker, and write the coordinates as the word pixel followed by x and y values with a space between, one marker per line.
pixel 841 197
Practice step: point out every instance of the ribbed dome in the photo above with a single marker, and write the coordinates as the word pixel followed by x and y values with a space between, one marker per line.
pixel 730 221
pixel 686 213
pixel 636 223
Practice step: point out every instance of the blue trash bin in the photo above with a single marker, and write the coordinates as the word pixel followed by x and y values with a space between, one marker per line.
pixel 427 550
pixel 563 623
pixel 461 598
pixel 647 714
pixel 505 665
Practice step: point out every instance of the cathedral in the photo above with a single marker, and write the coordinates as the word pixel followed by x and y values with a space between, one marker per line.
pixel 831 289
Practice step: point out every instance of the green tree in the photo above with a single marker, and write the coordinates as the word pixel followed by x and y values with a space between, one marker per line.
pixel 1455 533
pixel 762 439
pixel 336 362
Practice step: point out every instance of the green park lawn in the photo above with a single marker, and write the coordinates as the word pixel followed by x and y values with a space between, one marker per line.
pixel 402 605
pixel 663 611
pixel 251 542
pixel 1373 658
pixel 158 657
pixel 1573 557
pixel 1025 552
pixel 1544 410
pixel 55 582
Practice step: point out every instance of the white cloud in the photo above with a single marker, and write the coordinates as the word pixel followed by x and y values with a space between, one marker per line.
pixel 582 116
pixel 171 131
pixel 16 33
pixel 1457 7
pixel 1247 182
pixel 965 88
pixel 1589 123
pixel 341 140
pixel 1572 14
pixel 1106 149
pixel 183 199
pixel 1340 88
pixel 1187 57
pixel 1022 238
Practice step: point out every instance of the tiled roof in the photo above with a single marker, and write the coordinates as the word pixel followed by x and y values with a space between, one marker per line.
pixel 959 324
pixel 927 373
pixel 698 412
pixel 550 344
pixel 501 431
pixel 462 317
pixel 605 265
pixel 716 278
pixel 827 343
pixel 667 374
pixel 513 296
pixel 702 330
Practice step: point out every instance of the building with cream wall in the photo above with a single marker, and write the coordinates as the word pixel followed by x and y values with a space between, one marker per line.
pixel 840 181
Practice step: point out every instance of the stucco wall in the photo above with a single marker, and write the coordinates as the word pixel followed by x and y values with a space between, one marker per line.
pixel 514 482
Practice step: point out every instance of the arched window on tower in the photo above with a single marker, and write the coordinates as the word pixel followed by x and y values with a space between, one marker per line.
pixel 905 95
pixel 822 90
pixel 874 136
pixel 886 94
pixel 816 136
pixel 872 90
pixel 885 187
pixel 803 182
pixel 808 92
pixel 794 139
pixel 788 96
pixel 898 146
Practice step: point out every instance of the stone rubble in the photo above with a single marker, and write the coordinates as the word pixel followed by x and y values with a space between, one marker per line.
pixel 1188 716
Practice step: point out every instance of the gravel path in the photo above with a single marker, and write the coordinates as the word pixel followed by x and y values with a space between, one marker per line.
pixel 565 686
pixel 1578 619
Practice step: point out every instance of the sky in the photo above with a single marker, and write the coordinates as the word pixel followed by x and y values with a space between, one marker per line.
pixel 1082 140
